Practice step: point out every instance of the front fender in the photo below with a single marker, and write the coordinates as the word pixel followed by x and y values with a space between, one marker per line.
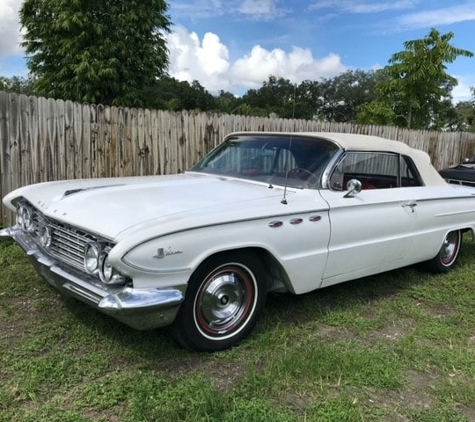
pixel 301 249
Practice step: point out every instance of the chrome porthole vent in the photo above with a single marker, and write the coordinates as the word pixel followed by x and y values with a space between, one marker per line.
pixel 24 217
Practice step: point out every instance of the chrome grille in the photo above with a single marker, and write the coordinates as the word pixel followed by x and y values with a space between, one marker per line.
pixel 68 243
pixel 461 182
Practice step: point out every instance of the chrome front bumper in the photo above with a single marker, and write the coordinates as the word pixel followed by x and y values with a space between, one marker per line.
pixel 141 309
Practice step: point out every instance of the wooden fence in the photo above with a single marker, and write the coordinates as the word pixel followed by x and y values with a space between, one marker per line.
pixel 45 139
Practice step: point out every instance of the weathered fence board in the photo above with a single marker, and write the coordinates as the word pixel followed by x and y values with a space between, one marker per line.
pixel 44 139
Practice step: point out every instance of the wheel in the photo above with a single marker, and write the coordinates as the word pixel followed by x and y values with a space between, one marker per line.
pixel 446 259
pixel 223 302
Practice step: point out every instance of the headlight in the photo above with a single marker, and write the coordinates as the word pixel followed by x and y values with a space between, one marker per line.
pixel 107 272
pixel 44 233
pixel 25 218
pixel 91 257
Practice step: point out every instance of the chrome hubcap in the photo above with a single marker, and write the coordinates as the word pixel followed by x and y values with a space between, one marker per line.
pixel 449 248
pixel 225 300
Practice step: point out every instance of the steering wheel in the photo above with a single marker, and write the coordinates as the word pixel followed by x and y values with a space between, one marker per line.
pixel 300 173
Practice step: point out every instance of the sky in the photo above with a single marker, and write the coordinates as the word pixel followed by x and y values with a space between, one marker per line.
pixel 235 45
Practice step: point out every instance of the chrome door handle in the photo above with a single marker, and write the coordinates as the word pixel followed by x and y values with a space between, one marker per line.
pixel 410 205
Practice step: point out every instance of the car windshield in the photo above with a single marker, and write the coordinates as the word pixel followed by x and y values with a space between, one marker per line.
pixel 297 161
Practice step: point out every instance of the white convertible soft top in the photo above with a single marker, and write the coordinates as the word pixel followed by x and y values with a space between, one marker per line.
pixel 357 142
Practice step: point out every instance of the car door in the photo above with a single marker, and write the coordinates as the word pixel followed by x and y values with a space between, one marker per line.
pixel 371 231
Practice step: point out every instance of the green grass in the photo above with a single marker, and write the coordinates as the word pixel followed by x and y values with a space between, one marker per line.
pixel 394 347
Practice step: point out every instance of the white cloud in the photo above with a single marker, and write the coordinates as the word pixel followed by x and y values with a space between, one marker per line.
pixel 197 9
pixel 298 65
pixel 353 6
pixel 9 27
pixel 261 9
pixel 462 91
pixel 257 10
pixel 444 16
pixel 208 62
pixel 380 7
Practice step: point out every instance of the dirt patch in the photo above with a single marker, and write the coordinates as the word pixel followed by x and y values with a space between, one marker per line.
pixel 468 412
pixel 412 397
pixel 394 332
pixel 442 311
pixel 332 334
pixel 14 328
pixel 180 365
pixel 224 374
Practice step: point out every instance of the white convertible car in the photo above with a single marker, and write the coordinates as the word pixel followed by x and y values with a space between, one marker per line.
pixel 263 212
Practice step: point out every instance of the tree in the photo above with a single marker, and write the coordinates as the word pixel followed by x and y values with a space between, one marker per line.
pixel 334 99
pixel 105 51
pixel 308 100
pixel 17 84
pixel 342 95
pixel 465 115
pixel 416 85
pixel 376 113
pixel 276 96
pixel 227 102
pixel 280 97
pixel 171 94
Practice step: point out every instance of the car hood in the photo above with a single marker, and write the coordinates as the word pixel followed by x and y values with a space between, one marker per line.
pixel 110 207
pixel 460 172
pixel 464 166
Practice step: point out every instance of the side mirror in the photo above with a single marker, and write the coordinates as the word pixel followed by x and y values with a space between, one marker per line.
pixel 353 187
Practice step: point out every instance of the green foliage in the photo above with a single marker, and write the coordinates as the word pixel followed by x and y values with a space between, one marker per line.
pixel 342 95
pixel 106 51
pixel 333 99
pixel 170 94
pixel 227 102
pixel 17 84
pixel 464 119
pixel 416 85
pixel 276 96
pixel 376 113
